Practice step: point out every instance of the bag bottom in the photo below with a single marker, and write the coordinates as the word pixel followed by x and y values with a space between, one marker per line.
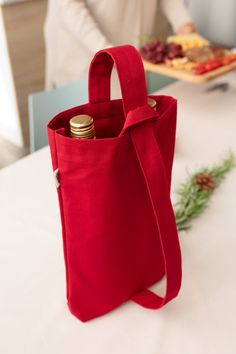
pixel 75 312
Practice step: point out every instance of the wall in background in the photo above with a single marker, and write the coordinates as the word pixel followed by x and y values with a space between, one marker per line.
pixel 23 23
pixel 9 117
pixel 215 20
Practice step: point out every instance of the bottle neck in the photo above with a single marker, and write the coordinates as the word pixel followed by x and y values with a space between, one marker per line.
pixel 82 127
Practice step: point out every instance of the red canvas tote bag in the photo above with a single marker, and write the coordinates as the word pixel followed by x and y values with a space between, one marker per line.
pixel 119 231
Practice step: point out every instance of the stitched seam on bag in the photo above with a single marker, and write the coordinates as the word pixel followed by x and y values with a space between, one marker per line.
pixel 168 109
pixel 59 190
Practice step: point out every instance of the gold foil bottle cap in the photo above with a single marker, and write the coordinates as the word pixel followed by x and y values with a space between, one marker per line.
pixel 82 127
pixel 152 103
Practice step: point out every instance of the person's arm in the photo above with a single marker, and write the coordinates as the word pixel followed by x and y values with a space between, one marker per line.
pixel 78 20
pixel 178 16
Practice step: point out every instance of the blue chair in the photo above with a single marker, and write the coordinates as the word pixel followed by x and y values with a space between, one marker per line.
pixel 157 81
pixel 44 105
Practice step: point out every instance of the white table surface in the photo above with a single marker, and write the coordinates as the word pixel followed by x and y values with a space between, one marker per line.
pixel 34 318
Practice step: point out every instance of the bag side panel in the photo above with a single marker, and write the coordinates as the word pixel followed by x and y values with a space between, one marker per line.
pixel 53 150
pixel 165 130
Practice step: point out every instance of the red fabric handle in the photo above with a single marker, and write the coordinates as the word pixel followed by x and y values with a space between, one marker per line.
pixel 152 166
pixel 130 73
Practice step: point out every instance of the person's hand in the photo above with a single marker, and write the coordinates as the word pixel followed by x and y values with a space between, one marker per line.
pixel 186 28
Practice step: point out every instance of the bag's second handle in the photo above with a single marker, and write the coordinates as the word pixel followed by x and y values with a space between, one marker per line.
pixel 153 169
pixel 130 72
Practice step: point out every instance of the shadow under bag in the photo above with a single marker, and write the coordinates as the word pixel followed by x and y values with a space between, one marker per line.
pixel 119 231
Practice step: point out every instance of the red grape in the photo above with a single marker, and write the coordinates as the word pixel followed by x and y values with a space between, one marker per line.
pixel 158 51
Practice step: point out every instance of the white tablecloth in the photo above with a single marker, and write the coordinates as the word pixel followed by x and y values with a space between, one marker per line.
pixel 34 318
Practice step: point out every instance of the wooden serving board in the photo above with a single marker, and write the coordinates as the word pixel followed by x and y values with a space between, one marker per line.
pixel 187 76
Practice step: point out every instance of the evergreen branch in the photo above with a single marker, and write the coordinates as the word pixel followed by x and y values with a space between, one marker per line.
pixel 195 193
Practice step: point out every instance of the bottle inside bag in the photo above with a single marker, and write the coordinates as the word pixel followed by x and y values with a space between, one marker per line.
pixel 152 103
pixel 82 127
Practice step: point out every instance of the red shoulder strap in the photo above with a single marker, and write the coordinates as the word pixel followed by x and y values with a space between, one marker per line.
pixel 153 169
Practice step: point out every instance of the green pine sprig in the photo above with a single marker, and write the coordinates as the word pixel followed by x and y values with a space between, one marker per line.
pixel 193 199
